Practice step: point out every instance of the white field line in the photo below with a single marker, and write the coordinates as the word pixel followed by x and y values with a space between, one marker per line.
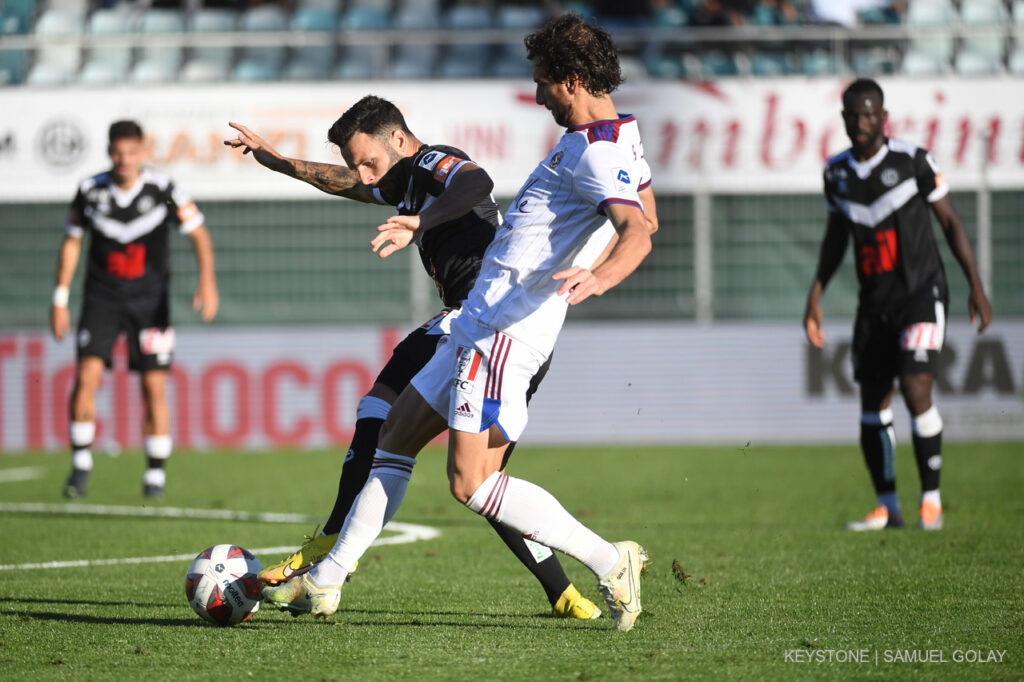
pixel 406 532
pixel 15 474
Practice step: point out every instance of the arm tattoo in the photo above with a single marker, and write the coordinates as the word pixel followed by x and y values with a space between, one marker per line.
pixel 324 176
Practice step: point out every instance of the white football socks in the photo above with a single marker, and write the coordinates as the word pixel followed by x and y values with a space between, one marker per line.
pixel 81 435
pixel 376 504
pixel 536 514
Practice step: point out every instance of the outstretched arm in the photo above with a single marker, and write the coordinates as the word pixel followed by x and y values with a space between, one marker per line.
pixel 833 246
pixel 326 177
pixel 960 245
pixel 468 187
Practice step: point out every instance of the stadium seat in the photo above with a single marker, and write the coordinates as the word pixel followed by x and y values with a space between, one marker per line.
pixel 16 16
pixel 873 61
pixel 109 22
pixel 926 19
pixel 714 63
pixel 460 68
pixel 46 74
pixel 250 70
pixel 991 19
pixel 99 72
pixel 365 19
pixel 202 71
pixel 153 71
pixel 1015 62
pixel 12 66
pixel 213 21
pixel 1018 13
pixel 313 58
pixel 769 64
pixel 356 62
pixel 820 63
pixel 262 18
pixel 917 63
pixel 466 19
pixel 413 19
pixel 429 5
pixel 354 70
pixel 162 21
pixel 516 67
pixel 79 7
pixel 969 63
pixel 301 70
pixel 58 22
pixel 411 70
pixel 332 5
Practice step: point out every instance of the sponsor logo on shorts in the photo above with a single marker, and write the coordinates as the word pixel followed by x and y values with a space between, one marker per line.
pixel 155 341
pixel 466 367
pixel 921 336
pixel 464 410
pixel 83 338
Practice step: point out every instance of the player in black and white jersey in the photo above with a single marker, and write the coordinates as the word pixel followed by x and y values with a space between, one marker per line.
pixel 882 192
pixel 387 164
pixel 129 212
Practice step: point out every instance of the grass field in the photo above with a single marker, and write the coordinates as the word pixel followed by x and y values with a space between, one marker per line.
pixel 758 530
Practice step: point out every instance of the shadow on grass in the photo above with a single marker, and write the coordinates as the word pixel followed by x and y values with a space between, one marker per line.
pixel 87 602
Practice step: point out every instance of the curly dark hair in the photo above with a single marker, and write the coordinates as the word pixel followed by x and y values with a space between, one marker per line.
pixel 568 46
pixel 372 115
pixel 120 130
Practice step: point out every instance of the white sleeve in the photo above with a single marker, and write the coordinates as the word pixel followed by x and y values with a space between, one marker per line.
pixel 188 213
pixel 604 175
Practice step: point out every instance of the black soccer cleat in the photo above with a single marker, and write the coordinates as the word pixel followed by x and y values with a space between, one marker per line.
pixel 77 482
pixel 152 492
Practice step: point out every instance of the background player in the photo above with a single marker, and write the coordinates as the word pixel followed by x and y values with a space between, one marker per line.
pixel 879 192
pixel 129 211
pixel 476 381
pixel 389 165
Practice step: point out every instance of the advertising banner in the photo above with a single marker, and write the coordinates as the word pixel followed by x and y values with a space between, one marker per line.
pixel 732 135
pixel 609 383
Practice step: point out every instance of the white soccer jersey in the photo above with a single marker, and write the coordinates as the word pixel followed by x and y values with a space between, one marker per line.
pixel 548 225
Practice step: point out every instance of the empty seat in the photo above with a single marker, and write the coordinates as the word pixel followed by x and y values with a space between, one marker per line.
pixel 820 63
pixel 413 19
pixel 213 21
pixel 989 19
pixel 1015 62
pixel 457 68
pixel 45 74
pixel 255 70
pixel 969 63
pixel 54 23
pixel 153 71
pixel 301 70
pixel 316 20
pixel 99 72
pixel 769 64
pixel 406 69
pixel 931 23
pixel 466 19
pixel 110 22
pixel 16 16
pixel 917 63
pixel 162 22
pixel 365 19
pixel 263 18
pixel 512 67
pixel 12 66
pixel 201 71
pixel 354 70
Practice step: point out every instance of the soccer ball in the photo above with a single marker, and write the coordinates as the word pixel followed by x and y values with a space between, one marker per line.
pixel 222 584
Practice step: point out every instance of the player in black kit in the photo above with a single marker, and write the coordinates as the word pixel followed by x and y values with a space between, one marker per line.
pixel 129 212
pixel 879 192
pixel 387 164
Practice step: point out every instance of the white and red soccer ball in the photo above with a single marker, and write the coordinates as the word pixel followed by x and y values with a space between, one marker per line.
pixel 222 584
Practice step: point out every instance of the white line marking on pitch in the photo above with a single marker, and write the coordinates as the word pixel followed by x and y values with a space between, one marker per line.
pixel 407 532
pixel 15 474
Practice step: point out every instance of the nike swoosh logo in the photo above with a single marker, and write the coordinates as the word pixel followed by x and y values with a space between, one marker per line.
pixel 628 605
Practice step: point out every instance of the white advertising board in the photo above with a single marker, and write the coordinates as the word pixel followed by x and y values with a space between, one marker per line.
pixel 609 383
pixel 734 135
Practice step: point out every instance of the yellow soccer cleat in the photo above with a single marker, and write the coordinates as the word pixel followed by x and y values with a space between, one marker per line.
pixel 572 604
pixel 621 586
pixel 302 595
pixel 314 549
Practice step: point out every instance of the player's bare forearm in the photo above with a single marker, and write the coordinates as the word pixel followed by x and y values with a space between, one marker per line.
pixel 207 297
pixel 629 250
pixel 468 187
pixel 650 209
pixel 67 260
pixel 326 177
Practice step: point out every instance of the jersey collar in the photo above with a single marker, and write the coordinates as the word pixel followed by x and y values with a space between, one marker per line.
pixel 863 168
pixel 623 118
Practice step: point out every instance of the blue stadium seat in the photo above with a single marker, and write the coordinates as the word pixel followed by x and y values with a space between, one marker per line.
pixel 301 70
pixel 250 70
pixel 1015 62
pixel 354 70
pixel 411 70
pixel 16 16
pixel 213 21
pixel 163 21
pixel 968 63
pixel 317 57
pixel 46 74
pixel 521 18
pixel 917 63
pixel 412 19
pixel 67 58
pixel 514 67
pixel 872 61
pixel 820 63
pixel 458 68
pixel 365 19
pixel 714 63
pixel 12 66
pixel 103 73
pixel 769 64
pixel 109 22
pixel 262 18
pixel 202 71
pixel 153 71
pixel 465 59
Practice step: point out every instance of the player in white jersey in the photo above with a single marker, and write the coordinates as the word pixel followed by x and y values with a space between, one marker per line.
pixel 595 175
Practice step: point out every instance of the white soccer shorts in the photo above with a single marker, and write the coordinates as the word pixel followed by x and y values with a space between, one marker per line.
pixel 478 378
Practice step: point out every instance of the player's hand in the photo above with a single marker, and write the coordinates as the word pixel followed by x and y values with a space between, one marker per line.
pixel 250 141
pixel 60 321
pixel 812 325
pixel 979 308
pixel 397 233
pixel 206 301
pixel 579 283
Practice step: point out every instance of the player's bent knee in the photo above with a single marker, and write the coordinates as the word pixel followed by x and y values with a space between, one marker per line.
pixel 482 496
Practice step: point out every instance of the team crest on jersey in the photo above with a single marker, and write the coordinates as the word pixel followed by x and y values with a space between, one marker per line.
pixel 556 158
pixel 430 160
pixel 621 176
pixel 101 197
pixel 890 176
pixel 146 203
pixel 467 364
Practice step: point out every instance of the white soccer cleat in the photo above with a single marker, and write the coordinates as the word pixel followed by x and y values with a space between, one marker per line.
pixel 621 586
pixel 877 519
pixel 302 594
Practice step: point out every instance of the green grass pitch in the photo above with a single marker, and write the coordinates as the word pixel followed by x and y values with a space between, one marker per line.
pixel 776 589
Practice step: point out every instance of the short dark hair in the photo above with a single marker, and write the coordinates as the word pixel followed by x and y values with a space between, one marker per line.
pixel 567 47
pixel 372 115
pixel 863 86
pixel 120 130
